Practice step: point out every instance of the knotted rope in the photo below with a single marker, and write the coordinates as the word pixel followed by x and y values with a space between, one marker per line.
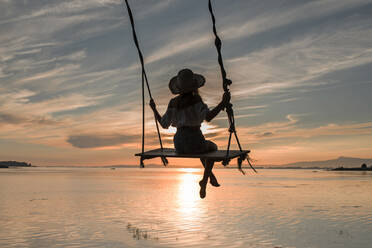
pixel 225 84
pixel 144 80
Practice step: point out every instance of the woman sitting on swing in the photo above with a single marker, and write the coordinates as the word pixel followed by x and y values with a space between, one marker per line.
pixel 186 112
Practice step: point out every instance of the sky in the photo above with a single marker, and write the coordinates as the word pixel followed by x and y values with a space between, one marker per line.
pixel 70 80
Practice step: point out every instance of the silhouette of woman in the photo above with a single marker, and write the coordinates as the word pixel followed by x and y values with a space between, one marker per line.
pixel 186 112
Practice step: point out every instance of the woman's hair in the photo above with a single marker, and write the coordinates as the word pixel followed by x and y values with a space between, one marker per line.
pixel 187 99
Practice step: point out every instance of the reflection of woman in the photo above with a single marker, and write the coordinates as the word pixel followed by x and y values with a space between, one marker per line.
pixel 186 112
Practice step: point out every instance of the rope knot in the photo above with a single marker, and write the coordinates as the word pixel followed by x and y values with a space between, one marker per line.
pixel 232 129
pixel 227 81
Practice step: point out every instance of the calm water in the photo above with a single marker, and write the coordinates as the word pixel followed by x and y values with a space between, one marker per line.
pixel 85 207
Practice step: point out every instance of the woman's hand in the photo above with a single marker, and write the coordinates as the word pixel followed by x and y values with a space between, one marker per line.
pixel 224 102
pixel 152 104
pixel 156 113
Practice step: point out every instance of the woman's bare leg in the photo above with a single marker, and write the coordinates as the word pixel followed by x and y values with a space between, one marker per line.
pixel 208 166
pixel 212 178
pixel 207 172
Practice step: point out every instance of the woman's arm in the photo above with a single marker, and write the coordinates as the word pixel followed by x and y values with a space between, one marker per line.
pixel 216 110
pixel 153 107
pixel 165 120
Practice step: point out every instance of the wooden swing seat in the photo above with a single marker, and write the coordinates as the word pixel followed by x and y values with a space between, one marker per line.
pixel 218 155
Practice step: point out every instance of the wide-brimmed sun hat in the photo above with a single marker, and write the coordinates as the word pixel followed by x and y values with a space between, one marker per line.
pixel 185 81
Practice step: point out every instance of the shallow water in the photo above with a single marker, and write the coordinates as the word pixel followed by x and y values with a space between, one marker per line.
pixel 87 207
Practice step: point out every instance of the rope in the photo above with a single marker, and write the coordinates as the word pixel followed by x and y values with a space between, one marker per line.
pixel 144 80
pixel 225 81
pixel 225 84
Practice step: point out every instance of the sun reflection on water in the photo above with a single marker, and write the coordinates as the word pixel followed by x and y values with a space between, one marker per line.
pixel 188 194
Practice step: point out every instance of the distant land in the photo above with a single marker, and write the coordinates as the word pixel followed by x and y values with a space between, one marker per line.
pixel 6 164
pixel 345 162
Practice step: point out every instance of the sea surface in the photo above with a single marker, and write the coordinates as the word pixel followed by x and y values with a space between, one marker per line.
pixel 160 207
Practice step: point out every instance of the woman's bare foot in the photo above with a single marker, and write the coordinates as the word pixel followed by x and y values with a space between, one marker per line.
pixel 203 187
pixel 213 181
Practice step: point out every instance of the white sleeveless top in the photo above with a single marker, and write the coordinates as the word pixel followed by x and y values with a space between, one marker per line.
pixel 192 115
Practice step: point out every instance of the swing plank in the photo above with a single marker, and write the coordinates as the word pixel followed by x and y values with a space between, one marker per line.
pixel 218 155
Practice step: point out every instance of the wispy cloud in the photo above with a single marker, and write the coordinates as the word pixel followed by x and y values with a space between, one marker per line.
pixel 60 71
pixel 289 15
pixel 99 141
pixel 301 61
pixel 290 129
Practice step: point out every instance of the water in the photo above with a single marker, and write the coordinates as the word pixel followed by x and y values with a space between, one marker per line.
pixel 86 207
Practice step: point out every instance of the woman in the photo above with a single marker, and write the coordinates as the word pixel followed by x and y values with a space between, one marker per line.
pixel 186 112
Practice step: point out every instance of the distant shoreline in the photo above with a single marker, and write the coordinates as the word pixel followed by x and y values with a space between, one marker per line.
pixel 352 169
pixel 7 164
pixel 175 167
pixel 15 164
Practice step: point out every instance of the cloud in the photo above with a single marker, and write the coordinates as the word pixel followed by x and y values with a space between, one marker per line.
pixel 2 74
pixel 176 42
pixel 296 143
pixel 67 69
pixel 283 131
pixel 330 130
pixel 252 107
pixel 57 25
pixel 99 141
pixel 18 103
pixel 65 8
pixel 266 134
pixel 301 62
pixel 240 116
pixel 177 46
pixel 10 119
pixel 75 56
pixel 20 96
pixel 284 16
